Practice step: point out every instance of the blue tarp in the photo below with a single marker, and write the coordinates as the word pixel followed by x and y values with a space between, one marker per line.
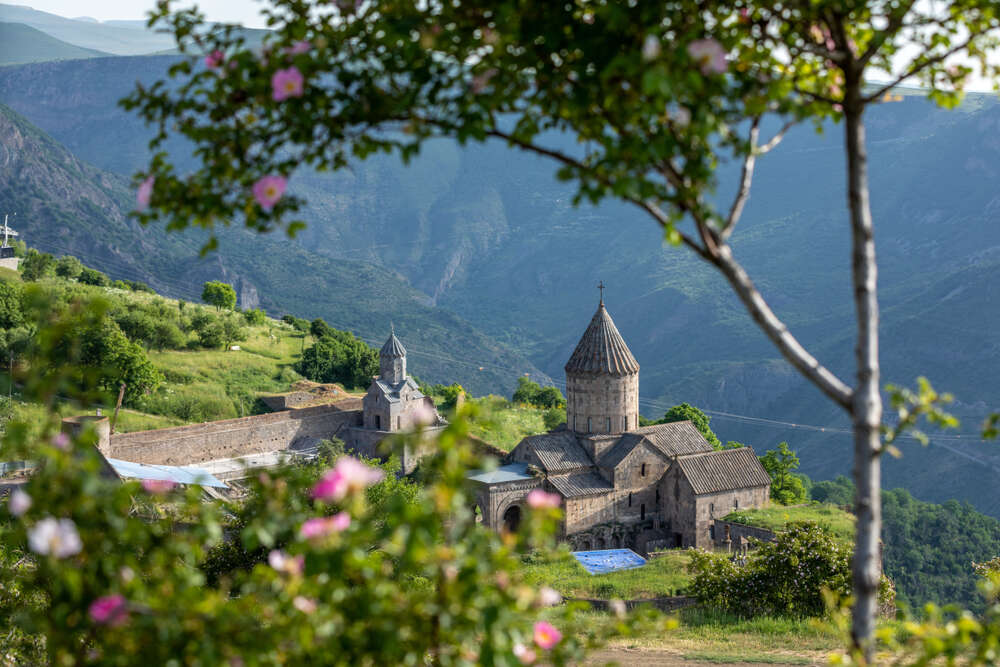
pixel 186 475
pixel 609 560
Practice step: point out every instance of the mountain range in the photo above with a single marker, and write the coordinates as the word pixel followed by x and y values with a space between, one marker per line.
pixel 486 238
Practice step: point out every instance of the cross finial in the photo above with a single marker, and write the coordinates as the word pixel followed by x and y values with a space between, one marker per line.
pixel 392 328
pixel 600 286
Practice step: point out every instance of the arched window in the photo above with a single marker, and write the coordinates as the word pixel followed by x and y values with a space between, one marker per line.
pixel 590 425
pixel 630 500
pixel 642 470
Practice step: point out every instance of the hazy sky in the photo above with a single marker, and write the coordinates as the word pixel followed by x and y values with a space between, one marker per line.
pixel 241 11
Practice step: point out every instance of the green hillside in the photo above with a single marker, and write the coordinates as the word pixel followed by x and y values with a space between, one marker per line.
pixel 66 206
pixel 491 235
pixel 24 44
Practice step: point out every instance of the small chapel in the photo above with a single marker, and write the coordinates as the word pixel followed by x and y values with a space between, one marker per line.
pixel 621 485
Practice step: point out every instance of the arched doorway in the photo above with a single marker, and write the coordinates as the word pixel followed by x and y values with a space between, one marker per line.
pixel 512 519
pixel 599 543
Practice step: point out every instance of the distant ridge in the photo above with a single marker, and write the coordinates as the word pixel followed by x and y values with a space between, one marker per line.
pixel 24 44
pixel 104 37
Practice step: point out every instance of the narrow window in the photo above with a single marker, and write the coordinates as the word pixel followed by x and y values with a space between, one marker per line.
pixel 609 424
pixel 736 503
pixel 711 509
pixel 399 423
pixel 590 425
pixel 378 422
pixel 630 500
pixel 574 422
pixel 642 512
pixel 657 496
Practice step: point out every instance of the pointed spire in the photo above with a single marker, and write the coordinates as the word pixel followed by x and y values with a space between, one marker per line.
pixel 392 347
pixel 601 348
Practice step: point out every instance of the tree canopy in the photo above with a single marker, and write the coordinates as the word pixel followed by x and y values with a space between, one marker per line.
pixel 219 294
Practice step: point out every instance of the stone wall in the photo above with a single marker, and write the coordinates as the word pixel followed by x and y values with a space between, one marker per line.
pixel 601 403
pixel 371 444
pixel 231 438
pixel 739 530
pixel 582 513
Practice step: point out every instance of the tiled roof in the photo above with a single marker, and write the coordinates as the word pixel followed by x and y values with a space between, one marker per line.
pixel 557 451
pixel 673 439
pixel 391 391
pixel 580 484
pixel 602 349
pixel 727 470
pixel 392 348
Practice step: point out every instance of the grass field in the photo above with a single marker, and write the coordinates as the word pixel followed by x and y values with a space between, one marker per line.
pixel 660 577
pixel 776 517
pixel 503 424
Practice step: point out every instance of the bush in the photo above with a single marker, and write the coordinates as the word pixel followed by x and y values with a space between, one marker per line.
pixel 68 267
pixel 255 317
pixel 553 417
pixel 531 393
pixel 37 265
pixel 786 577
pixel 340 357
pixel 89 276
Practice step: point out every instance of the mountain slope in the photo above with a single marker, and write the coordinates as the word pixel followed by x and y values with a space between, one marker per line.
pixel 24 44
pixel 87 34
pixel 67 206
pixel 490 234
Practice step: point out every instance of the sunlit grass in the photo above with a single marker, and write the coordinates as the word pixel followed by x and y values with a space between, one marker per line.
pixel 776 517
pixel 504 424
pixel 660 577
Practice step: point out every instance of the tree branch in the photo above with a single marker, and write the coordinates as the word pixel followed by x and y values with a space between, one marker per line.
pixel 720 255
pixel 916 68
pixel 746 178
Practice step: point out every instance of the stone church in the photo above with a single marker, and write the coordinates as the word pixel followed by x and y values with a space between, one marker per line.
pixel 622 485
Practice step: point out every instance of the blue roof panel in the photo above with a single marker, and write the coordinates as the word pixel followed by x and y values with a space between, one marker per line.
pixel 609 560
pixel 186 475
pixel 511 472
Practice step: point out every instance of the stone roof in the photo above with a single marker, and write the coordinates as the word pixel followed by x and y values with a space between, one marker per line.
pixel 673 439
pixel 602 349
pixel 391 391
pixel 580 485
pixel 392 348
pixel 726 470
pixel 557 451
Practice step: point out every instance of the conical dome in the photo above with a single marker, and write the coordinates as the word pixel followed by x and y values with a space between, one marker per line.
pixel 392 348
pixel 602 349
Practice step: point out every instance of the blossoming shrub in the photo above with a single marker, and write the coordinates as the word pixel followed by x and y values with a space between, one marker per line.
pixel 338 564
pixel 784 577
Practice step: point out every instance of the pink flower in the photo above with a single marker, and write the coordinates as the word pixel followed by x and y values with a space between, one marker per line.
pixel 268 190
pixel 56 537
pixel 214 59
pixel 19 502
pixel 709 55
pixel 480 81
pixel 424 414
pixel 324 526
pixel 145 193
pixel 158 486
pixel 298 47
pixel 111 610
pixel 546 635
pixel 304 604
pixel 286 83
pixel 539 499
pixel 348 476
pixel 525 654
pixel 282 562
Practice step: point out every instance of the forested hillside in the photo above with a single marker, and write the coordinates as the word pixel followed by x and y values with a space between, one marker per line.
pixel 490 234
pixel 66 206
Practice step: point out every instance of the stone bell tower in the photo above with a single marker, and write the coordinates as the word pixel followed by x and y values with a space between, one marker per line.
pixel 602 380
pixel 392 361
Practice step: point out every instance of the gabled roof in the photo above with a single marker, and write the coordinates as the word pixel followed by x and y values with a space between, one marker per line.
pixel 557 451
pixel 727 470
pixel 673 439
pixel 602 349
pixel 391 391
pixel 392 348
pixel 580 484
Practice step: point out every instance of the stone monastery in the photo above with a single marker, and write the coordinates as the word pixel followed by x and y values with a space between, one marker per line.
pixel 622 485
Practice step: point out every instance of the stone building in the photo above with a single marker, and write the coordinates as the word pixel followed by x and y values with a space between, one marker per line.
pixel 229 447
pixel 622 484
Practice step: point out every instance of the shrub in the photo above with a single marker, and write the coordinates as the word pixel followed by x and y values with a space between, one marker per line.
pixel 89 276
pixel 37 265
pixel 255 317
pixel 68 267
pixel 553 417
pixel 786 577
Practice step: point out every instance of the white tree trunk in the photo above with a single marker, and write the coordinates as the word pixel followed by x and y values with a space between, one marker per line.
pixel 866 408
